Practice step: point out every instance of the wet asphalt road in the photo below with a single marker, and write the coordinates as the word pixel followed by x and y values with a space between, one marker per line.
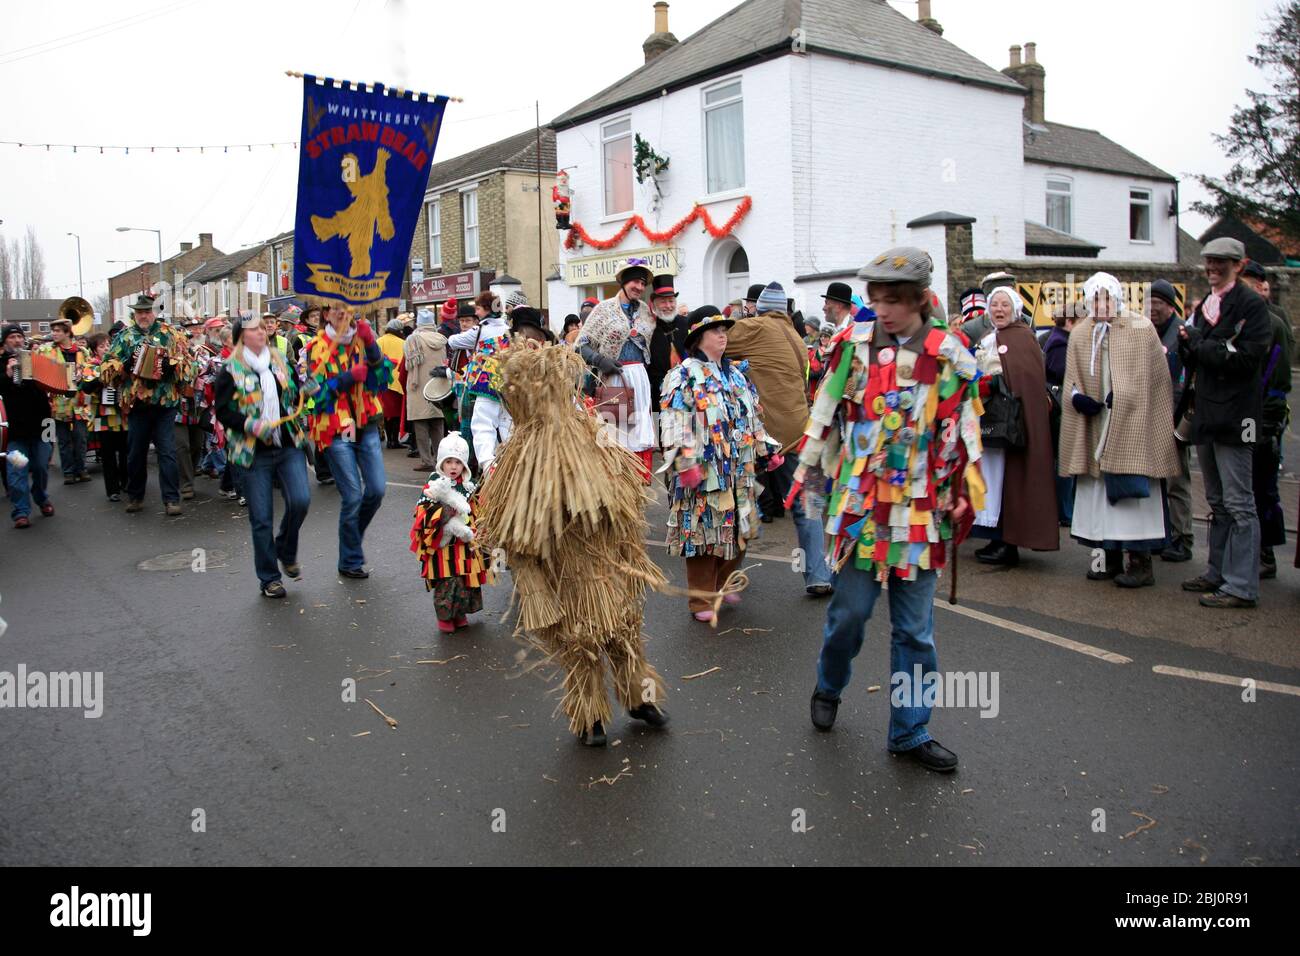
pixel 220 701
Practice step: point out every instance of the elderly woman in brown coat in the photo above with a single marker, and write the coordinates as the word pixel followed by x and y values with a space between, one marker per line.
pixel 1116 434
pixel 1020 502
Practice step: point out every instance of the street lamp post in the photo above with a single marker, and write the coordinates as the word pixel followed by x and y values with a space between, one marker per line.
pixel 158 233
pixel 80 288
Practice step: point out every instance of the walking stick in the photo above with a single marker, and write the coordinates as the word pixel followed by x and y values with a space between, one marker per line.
pixel 952 585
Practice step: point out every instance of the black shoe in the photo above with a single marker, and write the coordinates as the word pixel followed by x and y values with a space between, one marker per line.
pixel 274 590
pixel 413 453
pixel 824 710
pixel 1004 554
pixel 819 590
pixel 595 737
pixel 1139 574
pixel 1176 553
pixel 987 549
pixel 932 756
pixel 358 573
pixel 649 713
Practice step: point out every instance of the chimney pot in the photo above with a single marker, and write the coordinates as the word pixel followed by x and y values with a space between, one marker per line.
pixel 1031 52
pixel 1015 55
pixel 923 10
pixel 661 17
pixel 205 239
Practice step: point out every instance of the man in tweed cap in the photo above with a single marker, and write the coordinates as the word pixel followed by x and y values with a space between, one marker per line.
pixel 901 391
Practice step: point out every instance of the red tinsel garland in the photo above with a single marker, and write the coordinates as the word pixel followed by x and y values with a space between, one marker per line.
pixel 578 234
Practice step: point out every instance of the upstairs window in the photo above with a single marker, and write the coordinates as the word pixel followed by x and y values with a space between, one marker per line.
pixel 724 137
pixel 616 150
pixel 435 235
pixel 469 206
pixel 1139 215
pixel 1060 215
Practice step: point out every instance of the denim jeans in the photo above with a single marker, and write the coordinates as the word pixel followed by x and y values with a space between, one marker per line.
pixel 911 615
pixel 358 469
pixel 26 484
pixel 151 423
pixel 1065 499
pixel 72 447
pixel 290 465
pixel 1234 523
pixel 812 540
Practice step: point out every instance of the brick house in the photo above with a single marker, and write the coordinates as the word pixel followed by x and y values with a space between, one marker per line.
pixel 221 285
pixel 125 286
pixel 480 221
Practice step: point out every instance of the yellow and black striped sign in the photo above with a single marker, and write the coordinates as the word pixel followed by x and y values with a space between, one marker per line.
pixel 1046 300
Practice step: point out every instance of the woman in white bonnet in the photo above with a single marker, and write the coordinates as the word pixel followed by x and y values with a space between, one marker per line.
pixel 1117 434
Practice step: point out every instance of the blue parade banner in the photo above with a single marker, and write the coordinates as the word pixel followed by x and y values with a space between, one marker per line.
pixel 362 172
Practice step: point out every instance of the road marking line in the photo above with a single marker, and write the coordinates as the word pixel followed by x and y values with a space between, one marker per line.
pixel 402 484
pixel 1098 652
pixel 1214 678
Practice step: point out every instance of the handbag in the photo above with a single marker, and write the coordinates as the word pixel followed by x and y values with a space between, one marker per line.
pixel 1119 487
pixel 1003 423
pixel 615 400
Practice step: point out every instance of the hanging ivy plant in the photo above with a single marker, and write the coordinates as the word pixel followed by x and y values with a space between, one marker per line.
pixel 649 164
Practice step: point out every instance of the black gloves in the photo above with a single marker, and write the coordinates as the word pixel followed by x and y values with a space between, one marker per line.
pixel 441 371
pixel 1085 405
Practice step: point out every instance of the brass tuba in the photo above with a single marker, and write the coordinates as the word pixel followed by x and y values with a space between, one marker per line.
pixel 79 312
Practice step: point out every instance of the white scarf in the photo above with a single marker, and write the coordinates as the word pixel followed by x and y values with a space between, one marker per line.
pixel 261 364
pixel 344 339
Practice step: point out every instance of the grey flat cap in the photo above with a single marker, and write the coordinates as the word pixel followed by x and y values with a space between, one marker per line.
pixel 1224 248
pixel 900 264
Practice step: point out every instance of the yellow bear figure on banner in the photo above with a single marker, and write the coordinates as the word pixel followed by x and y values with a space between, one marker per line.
pixel 367 213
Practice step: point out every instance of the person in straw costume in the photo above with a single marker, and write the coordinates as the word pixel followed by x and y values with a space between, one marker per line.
pixel 565 506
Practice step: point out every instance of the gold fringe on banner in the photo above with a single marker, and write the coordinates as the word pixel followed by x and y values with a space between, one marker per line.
pixel 369 87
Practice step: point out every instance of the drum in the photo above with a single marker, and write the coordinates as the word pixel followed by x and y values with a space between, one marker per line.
pixel 436 389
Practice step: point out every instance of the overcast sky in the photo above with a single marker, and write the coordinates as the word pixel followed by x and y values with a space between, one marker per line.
pixel 1158 76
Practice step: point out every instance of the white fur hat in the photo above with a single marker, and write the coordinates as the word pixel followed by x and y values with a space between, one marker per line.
pixel 453 446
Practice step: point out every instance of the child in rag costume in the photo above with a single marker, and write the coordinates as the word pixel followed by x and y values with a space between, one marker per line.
pixel 567 510
pixel 442 537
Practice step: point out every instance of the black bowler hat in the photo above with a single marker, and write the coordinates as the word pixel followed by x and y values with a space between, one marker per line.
pixel 525 315
pixel 754 292
pixel 701 320
pixel 839 292
pixel 663 286
pixel 1253 270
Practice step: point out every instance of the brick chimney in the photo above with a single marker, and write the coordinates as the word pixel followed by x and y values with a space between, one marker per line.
pixel 661 40
pixel 205 240
pixel 924 18
pixel 1031 75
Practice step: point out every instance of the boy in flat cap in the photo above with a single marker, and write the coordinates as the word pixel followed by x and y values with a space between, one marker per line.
pixel 1224 346
pixel 896 421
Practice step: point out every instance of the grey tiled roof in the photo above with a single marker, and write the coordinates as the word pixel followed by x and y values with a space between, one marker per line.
pixel 29 310
pixel 513 152
pixel 223 265
pixel 866 30
pixel 1061 145
pixel 1036 234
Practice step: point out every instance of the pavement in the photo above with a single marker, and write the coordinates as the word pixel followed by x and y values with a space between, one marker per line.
pixel 1121 734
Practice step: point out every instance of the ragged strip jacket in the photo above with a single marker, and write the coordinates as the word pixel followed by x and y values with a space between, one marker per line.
pixel 709 417
pixel 176 380
pixel 442 554
pixel 335 408
pixel 896 429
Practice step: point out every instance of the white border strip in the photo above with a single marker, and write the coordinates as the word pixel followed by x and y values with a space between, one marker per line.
pixel 1214 678
pixel 1098 652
